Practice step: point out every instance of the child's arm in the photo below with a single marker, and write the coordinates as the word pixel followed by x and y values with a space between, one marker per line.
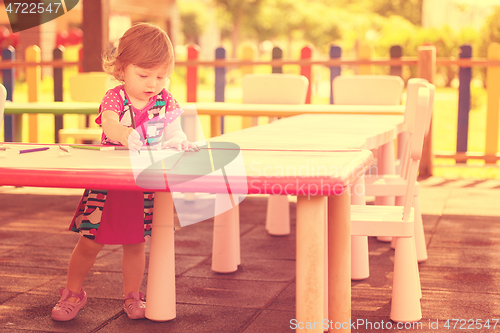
pixel 115 131
pixel 176 138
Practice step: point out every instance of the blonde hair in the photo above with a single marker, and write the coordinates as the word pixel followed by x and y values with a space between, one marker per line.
pixel 143 45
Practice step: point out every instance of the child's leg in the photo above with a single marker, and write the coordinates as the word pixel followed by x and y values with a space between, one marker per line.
pixel 82 260
pixel 133 264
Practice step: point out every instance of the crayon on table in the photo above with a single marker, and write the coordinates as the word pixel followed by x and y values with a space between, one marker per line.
pixel 86 147
pixel 63 148
pixel 32 150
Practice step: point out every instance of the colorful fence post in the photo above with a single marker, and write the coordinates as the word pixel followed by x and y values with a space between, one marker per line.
pixel 57 54
pixel 427 70
pixel 217 122
pixel 396 52
pixel 12 123
pixel 277 54
pixel 493 106
pixel 193 51
pixel 33 79
pixel 335 53
pixel 365 52
pixel 248 54
pixel 306 54
pixel 464 76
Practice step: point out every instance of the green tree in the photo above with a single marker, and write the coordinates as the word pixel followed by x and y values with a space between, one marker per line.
pixel 237 12
pixel 194 18
pixel 409 9
pixel 490 32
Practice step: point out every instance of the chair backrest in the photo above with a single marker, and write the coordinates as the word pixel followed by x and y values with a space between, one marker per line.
pixel 412 90
pixel 274 88
pixel 3 97
pixel 367 90
pixel 90 87
pixel 416 145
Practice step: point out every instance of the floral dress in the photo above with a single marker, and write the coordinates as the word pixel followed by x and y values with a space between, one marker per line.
pixel 124 217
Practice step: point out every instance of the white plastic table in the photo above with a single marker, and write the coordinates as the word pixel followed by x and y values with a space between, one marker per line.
pixel 329 182
pixel 318 134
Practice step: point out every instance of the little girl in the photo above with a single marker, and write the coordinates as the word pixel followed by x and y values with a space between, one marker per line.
pixel 143 61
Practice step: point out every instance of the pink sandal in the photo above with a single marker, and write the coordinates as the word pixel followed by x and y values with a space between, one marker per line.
pixel 65 310
pixel 136 309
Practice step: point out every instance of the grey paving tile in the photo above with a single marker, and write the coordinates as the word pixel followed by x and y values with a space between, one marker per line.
pixel 32 312
pixel 250 269
pixel 272 321
pixel 189 318
pixel 227 292
pixel 20 279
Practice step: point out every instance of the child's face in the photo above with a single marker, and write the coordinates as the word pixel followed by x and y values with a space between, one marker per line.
pixel 141 83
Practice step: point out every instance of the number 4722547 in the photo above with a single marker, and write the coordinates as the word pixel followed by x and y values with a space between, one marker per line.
pixel 32 8
pixel 471 324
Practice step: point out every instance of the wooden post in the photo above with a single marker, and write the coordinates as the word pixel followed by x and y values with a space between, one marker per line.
pixel 365 52
pixel 12 123
pixel 335 53
pixel 427 70
pixel 464 76
pixel 95 26
pixel 277 54
pixel 493 108
pixel 306 54
pixel 217 122
pixel 58 90
pixel 193 52
pixel 33 79
pixel 247 53
pixel 396 52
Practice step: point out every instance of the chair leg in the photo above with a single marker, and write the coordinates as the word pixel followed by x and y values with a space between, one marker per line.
pixel 420 244
pixel 360 265
pixel 385 167
pixel 406 286
pixel 278 215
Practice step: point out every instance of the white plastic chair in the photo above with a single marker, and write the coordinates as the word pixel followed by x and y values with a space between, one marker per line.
pixel 87 87
pixel 275 89
pixel 394 185
pixel 259 89
pixel 398 222
pixel 366 90
pixel 3 97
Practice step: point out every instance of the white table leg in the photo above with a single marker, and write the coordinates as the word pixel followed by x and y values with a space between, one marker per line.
pixel 339 261
pixel 225 252
pixel 161 274
pixel 386 166
pixel 310 260
pixel 278 215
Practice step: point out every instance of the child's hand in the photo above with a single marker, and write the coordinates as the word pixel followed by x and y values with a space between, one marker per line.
pixel 131 139
pixel 180 143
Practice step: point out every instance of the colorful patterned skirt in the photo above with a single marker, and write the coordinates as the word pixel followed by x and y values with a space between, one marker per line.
pixel 114 217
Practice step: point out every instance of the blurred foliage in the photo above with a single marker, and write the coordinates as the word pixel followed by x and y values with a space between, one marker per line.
pixel 490 32
pixel 346 23
pixel 194 19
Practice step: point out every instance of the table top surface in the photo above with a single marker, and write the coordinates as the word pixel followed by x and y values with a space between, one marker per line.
pixel 326 131
pixel 307 150
pixel 248 171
